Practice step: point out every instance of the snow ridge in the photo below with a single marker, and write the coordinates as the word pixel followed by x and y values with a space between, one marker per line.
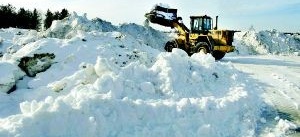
pixel 75 25
pixel 267 42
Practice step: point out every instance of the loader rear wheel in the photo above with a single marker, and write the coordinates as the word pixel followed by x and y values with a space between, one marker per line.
pixel 170 45
pixel 218 54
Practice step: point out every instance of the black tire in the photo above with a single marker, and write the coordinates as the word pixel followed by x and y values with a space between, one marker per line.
pixel 218 54
pixel 201 47
pixel 170 45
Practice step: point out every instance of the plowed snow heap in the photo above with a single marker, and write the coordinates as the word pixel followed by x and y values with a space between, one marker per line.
pixel 114 84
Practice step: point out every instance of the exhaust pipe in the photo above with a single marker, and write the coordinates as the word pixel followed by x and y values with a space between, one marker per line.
pixel 216 22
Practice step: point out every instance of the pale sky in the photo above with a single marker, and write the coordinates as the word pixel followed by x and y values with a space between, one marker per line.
pixel 283 15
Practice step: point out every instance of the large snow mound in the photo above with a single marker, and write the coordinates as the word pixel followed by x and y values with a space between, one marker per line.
pixel 76 25
pixel 116 83
pixel 266 42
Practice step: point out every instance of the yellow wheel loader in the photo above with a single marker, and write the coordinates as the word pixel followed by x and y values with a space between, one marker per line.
pixel 202 37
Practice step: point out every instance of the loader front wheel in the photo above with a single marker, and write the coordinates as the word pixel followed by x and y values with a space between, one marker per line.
pixel 218 54
pixel 201 47
pixel 170 45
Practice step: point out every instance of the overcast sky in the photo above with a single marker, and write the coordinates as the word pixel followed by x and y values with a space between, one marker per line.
pixel 283 15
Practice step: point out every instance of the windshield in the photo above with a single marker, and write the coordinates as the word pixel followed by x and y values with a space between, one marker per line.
pixel 197 24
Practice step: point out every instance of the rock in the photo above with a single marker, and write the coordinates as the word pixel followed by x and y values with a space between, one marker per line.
pixel 36 64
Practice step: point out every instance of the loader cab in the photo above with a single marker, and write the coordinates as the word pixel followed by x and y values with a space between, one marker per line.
pixel 201 24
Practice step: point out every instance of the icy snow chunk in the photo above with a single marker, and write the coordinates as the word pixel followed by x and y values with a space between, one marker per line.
pixel 179 52
pixel 104 84
pixel 9 74
pixel 205 59
pixel 283 128
pixel 102 66
pixel 285 125
pixel 57 86
pixel 1 40
pixel 28 37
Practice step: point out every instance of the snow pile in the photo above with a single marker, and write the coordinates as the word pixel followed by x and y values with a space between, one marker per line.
pixel 266 42
pixel 70 27
pixel 113 84
pixel 145 35
pixel 77 25
pixel 176 96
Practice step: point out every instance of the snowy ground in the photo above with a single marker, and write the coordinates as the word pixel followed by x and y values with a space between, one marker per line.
pixel 279 76
pixel 110 80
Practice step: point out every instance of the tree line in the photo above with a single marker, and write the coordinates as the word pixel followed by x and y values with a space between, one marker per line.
pixel 26 19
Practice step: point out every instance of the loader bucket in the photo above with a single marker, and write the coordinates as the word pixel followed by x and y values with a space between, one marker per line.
pixel 162 16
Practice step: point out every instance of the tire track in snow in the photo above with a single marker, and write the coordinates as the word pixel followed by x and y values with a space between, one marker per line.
pixel 289 90
pixel 279 76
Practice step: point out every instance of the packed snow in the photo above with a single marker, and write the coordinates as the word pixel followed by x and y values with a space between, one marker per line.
pixel 110 80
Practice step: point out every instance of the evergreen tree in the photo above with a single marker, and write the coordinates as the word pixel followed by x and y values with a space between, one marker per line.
pixel 35 20
pixel 25 19
pixel 7 16
pixel 56 15
pixel 48 20
pixel 21 18
pixel 63 14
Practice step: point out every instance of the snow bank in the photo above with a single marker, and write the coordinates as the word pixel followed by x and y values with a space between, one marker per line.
pixel 266 42
pixel 114 84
